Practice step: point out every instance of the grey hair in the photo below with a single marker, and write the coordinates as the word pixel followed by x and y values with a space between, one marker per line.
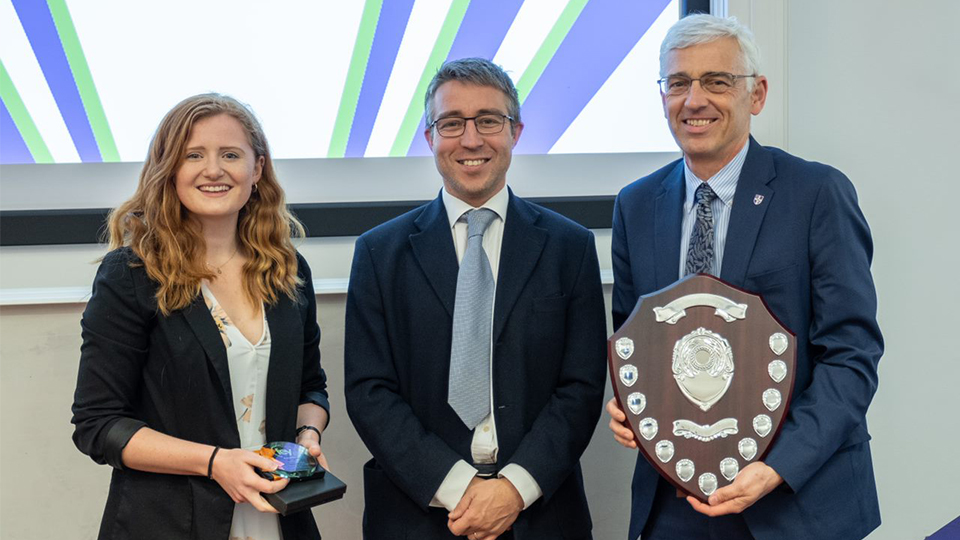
pixel 477 71
pixel 701 28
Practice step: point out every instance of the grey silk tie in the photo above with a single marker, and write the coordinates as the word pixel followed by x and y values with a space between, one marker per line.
pixel 469 386
pixel 700 250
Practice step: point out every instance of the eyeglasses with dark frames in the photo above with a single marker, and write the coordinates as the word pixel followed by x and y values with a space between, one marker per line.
pixel 717 82
pixel 486 124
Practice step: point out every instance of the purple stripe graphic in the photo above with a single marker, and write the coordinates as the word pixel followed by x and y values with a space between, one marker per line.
pixel 12 147
pixel 484 26
pixel 45 41
pixel 394 15
pixel 605 32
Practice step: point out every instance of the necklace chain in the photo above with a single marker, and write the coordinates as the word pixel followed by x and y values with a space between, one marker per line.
pixel 219 268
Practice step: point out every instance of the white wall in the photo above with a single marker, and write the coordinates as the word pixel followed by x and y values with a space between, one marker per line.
pixel 869 87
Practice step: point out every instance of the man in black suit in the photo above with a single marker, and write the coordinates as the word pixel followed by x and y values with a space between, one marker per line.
pixel 440 469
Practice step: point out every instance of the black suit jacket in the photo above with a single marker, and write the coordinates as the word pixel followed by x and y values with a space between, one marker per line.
pixel 797 237
pixel 548 366
pixel 139 368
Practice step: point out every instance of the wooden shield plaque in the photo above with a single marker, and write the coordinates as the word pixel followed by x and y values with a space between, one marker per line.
pixel 704 373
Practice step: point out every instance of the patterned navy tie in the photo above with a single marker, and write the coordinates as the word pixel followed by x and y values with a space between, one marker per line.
pixel 700 250
pixel 469 382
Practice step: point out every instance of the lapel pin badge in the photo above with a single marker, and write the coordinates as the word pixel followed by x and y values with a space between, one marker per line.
pixel 757 199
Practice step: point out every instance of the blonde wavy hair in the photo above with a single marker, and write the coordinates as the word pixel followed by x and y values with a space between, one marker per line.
pixel 168 240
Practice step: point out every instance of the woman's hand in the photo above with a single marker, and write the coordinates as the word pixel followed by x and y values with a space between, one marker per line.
pixel 233 470
pixel 311 441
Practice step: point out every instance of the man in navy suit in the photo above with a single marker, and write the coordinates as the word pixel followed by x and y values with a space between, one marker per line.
pixel 513 471
pixel 788 229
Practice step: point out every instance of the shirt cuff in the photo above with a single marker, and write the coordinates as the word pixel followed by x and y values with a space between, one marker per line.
pixel 528 487
pixel 454 485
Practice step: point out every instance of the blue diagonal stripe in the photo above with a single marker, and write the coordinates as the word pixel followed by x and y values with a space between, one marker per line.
pixel 13 149
pixel 45 41
pixel 481 33
pixel 581 65
pixel 394 16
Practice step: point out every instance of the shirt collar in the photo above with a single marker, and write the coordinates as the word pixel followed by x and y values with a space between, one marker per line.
pixel 456 208
pixel 724 183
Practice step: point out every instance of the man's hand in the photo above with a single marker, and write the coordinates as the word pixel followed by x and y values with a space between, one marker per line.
pixel 487 509
pixel 753 482
pixel 621 433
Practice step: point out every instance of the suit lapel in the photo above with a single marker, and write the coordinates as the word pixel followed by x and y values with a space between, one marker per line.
pixel 668 225
pixel 284 323
pixel 520 250
pixel 201 322
pixel 747 215
pixel 433 249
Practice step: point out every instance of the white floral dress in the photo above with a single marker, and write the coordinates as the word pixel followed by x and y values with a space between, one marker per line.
pixel 248 363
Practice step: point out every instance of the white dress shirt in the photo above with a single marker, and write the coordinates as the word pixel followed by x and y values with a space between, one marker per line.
pixel 484 447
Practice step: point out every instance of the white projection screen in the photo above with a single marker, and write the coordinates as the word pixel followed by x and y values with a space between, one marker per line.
pixel 338 87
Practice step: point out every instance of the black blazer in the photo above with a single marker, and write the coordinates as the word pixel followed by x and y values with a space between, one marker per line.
pixel 139 368
pixel 797 237
pixel 548 366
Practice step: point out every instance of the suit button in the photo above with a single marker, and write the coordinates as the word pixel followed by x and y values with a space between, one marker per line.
pixel 486 429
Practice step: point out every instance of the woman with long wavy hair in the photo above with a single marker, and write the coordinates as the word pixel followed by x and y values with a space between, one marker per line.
pixel 200 340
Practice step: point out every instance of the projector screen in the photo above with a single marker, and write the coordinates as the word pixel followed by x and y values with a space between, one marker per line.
pixel 89 81
pixel 338 87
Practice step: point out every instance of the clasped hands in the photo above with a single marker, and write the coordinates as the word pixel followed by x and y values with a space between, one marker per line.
pixel 487 509
pixel 753 482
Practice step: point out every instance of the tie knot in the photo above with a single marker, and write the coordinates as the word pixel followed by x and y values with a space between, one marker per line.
pixel 478 220
pixel 704 194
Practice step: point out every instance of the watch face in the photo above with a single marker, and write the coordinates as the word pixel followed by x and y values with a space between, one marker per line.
pixel 295 461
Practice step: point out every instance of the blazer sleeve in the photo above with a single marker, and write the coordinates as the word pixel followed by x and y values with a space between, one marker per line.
pixel 115 331
pixel 624 297
pixel 413 458
pixel 314 380
pixel 845 338
pixel 565 425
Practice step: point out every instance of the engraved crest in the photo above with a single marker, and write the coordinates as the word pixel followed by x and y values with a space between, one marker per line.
pixel 729 468
pixel 664 451
pixel 771 399
pixel 628 374
pixel 777 370
pixel 636 402
pixel 703 367
pixel 778 343
pixel 624 347
pixel 685 469
pixel 747 448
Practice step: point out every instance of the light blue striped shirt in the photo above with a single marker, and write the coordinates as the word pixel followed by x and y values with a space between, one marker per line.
pixel 724 184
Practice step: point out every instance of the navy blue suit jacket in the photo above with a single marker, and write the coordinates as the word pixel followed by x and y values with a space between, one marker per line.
pixel 806 249
pixel 548 366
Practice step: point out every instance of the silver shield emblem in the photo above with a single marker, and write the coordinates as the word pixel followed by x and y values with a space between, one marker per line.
pixel 636 402
pixel 648 428
pixel 664 451
pixel 777 370
pixel 747 448
pixel 707 483
pixel 729 468
pixel 778 343
pixel 624 347
pixel 703 367
pixel 628 374
pixel 757 199
pixel 762 425
pixel 771 399
pixel 685 469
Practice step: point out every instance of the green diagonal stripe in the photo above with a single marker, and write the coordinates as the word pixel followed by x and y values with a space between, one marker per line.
pixel 549 47
pixel 355 74
pixel 21 117
pixel 406 133
pixel 84 80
